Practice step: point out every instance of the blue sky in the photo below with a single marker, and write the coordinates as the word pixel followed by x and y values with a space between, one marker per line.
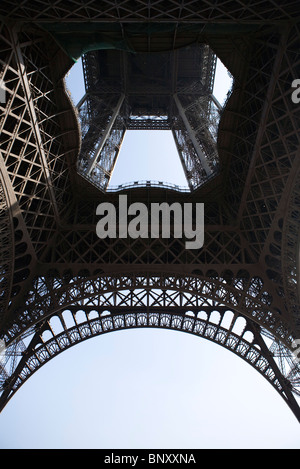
pixel 147 388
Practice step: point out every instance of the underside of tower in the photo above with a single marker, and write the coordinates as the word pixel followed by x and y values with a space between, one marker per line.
pixel 150 65
pixel 149 91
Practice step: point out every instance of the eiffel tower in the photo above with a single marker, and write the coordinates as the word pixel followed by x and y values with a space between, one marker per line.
pixel 150 65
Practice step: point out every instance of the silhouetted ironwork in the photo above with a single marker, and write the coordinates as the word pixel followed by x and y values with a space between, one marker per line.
pixel 60 283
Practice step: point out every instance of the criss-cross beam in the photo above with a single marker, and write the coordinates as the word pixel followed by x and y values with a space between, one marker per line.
pixel 35 148
pixel 167 11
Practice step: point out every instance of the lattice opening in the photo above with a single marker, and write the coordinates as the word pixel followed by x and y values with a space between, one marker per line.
pixel 148 156
pixel 108 122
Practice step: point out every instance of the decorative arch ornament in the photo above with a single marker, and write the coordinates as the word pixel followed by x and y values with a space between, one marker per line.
pixel 108 303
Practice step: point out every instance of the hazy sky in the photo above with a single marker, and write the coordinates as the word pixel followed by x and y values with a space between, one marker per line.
pixel 147 388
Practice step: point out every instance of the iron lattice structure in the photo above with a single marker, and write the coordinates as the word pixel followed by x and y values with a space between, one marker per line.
pixel 60 283
pixel 170 90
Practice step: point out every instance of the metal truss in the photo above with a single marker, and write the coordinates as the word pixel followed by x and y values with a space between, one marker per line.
pixel 244 293
pixel 195 143
pixel 104 131
pixel 145 10
pixel 170 90
pixel 6 250
pixel 60 284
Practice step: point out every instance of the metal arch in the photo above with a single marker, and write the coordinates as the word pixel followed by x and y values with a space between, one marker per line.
pixel 152 296
pixel 52 292
pixel 252 350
